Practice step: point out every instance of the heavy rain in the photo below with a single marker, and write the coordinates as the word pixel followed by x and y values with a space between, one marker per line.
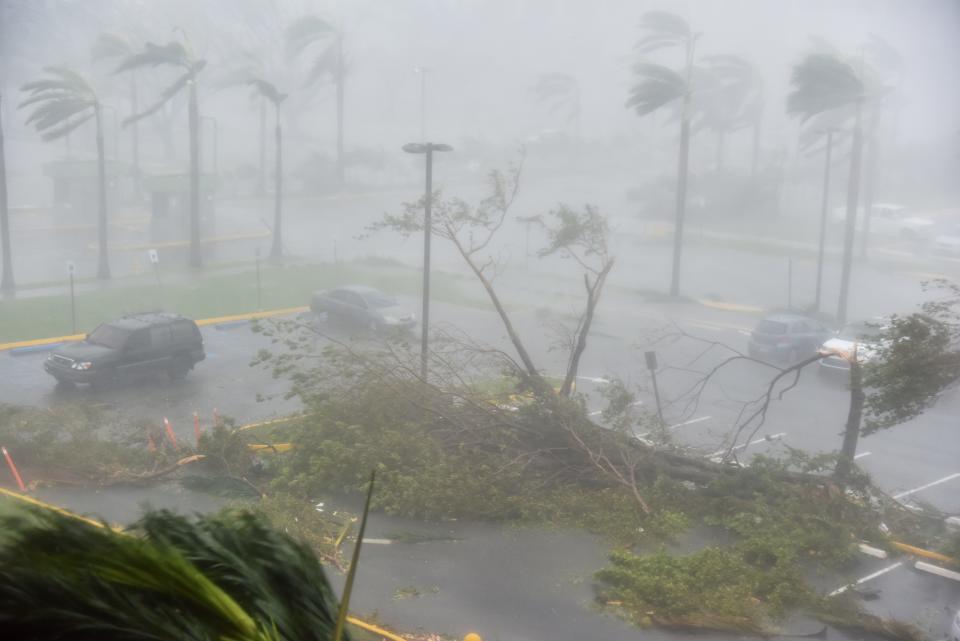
pixel 479 319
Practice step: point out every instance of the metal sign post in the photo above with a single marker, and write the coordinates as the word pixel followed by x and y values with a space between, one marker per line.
pixel 155 261
pixel 71 270
pixel 259 306
pixel 651 358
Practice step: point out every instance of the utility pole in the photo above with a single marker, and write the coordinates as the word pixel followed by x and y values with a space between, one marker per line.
pixel 428 149
pixel 824 205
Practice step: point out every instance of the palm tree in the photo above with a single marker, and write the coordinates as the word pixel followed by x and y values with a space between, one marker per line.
pixel 116 46
pixel 175 54
pixel 269 92
pixel 64 101
pixel 7 285
pixel 229 576
pixel 304 34
pixel 824 83
pixel 733 101
pixel 560 92
pixel 658 86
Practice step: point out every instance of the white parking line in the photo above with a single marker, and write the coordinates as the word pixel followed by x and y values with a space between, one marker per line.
pixel 599 412
pixel 691 422
pixel 770 438
pixel 923 487
pixel 861 455
pixel 867 578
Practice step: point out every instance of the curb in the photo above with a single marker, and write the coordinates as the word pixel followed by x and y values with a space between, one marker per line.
pixel 17 348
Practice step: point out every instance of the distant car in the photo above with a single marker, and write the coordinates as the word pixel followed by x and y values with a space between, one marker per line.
pixel 863 334
pixel 363 307
pixel 130 347
pixel 786 338
pixel 890 220
pixel 948 243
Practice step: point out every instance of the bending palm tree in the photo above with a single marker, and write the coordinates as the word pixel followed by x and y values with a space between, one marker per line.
pixel 658 86
pixel 175 54
pixel 822 83
pixel 64 101
pixel 112 45
pixel 6 278
pixel 735 102
pixel 304 34
pixel 560 92
pixel 270 93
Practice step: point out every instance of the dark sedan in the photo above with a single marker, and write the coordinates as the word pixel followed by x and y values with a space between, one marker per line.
pixel 786 338
pixel 362 307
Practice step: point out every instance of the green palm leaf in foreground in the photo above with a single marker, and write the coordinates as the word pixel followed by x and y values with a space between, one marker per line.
pixel 228 577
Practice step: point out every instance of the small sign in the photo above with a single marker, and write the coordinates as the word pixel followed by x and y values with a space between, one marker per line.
pixel 651 358
pixel 71 268
pixel 154 256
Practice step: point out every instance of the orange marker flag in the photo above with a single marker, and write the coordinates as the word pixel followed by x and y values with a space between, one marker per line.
pixel 13 468
pixel 170 434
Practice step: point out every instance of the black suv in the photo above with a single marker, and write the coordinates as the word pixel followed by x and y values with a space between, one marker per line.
pixel 130 347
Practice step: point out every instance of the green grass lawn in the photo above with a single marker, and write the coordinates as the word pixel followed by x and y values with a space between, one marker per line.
pixel 216 294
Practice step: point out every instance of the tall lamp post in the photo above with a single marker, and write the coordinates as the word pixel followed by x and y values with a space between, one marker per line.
pixel 426 148
pixel 423 100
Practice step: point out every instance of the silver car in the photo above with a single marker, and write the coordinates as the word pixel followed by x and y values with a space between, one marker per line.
pixel 362 307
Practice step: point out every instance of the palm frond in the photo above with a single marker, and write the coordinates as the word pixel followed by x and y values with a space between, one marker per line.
pixel 60 132
pixel 173 54
pixel 657 86
pixel 820 83
pixel 65 578
pixel 53 112
pixel 325 63
pixel 111 45
pixel 306 31
pixel 165 96
pixel 665 25
pixel 268 90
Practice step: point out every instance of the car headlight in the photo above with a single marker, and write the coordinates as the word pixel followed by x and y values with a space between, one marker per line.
pixel 82 366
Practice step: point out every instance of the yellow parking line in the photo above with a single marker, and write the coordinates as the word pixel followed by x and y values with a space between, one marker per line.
pixel 729 307
pixel 927 554
pixel 203 321
pixel 184 243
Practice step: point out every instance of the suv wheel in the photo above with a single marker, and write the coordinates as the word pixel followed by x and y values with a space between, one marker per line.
pixel 179 367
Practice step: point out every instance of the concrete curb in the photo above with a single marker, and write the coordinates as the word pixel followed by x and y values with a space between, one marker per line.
pixel 45 344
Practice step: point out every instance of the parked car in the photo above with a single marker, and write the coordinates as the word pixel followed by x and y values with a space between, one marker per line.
pixel 362 307
pixel 130 347
pixel 890 220
pixel 863 334
pixel 786 338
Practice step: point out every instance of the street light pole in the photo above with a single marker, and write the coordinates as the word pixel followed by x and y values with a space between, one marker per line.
pixel 428 149
pixel 423 100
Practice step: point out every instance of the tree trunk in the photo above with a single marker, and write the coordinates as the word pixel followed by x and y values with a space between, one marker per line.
pixel 262 176
pixel 103 266
pixel 135 133
pixel 720 141
pixel 593 297
pixel 870 178
pixel 341 73
pixel 277 250
pixel 851 433
pixel 755 152
pixel 681 201
pixel 853 194
pixel 7 285
pixel 824 206
pixel 682 177
pixel 196 258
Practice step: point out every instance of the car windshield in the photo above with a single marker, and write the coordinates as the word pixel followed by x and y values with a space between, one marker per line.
pixel 109 336
pixel 377 299
pixel 859 332
pixel 771 327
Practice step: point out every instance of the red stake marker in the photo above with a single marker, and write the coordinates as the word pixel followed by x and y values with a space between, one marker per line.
pixel 170 434
pixel 13 468
pixel 196 428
